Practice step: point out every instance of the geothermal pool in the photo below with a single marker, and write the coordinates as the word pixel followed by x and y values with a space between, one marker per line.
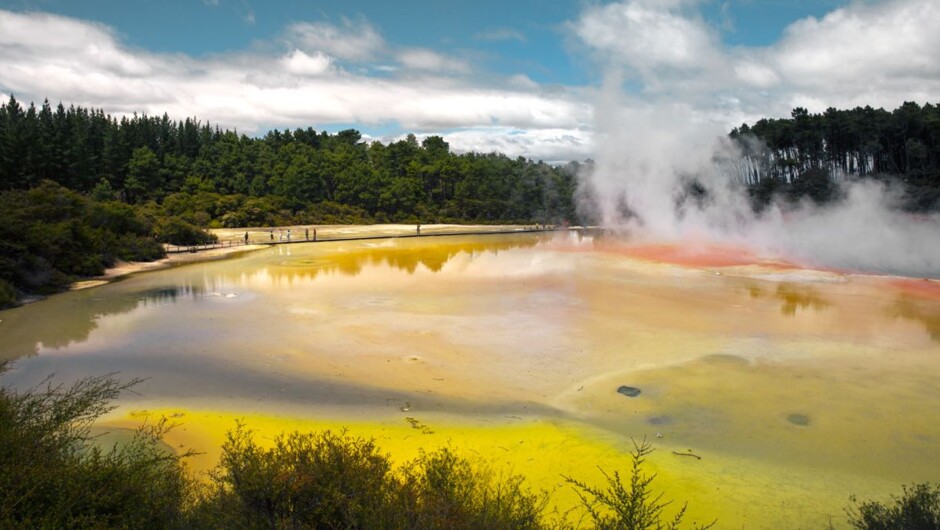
pixel 796 387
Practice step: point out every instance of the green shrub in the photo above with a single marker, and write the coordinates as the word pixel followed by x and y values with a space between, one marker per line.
pixel 328 212
pixel 120 218
pixel 443 490
pixel 53 475
pixel 129 247
pixel 329 480
pixel 50 235
pixel 176 231
pixel 313 480
pixel 7 294
pixel 629 507
pixel 918 508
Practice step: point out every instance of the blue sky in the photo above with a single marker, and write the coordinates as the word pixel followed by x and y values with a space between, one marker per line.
pixel 523 76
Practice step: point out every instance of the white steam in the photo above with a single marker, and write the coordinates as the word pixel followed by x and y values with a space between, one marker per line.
pixel 650 156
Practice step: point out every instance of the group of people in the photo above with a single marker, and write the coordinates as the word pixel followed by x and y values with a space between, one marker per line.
pixel 285 235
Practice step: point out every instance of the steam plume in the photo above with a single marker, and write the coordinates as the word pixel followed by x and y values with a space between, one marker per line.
pixel 666 172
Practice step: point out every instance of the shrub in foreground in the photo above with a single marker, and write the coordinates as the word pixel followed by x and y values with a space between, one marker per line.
pixel 631 506
pixel 53 475
pixel 918 508
pixel 332 480
pixel 442 490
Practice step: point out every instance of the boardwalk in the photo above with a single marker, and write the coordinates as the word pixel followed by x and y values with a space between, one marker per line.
pixel 275 236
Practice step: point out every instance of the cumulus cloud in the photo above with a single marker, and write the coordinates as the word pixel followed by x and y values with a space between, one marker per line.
pixel 423 59
pixel 879 54
pixel 299 63
pixel 649 37
pixel 351 40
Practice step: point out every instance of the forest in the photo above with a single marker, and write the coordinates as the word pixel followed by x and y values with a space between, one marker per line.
pixel 215 178
pixel 808 155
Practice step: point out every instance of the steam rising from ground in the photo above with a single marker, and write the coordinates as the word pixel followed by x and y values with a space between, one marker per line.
pixel 667 172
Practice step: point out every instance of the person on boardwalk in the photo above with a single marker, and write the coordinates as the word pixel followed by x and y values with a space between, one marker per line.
pixel 314 234
pixel 307 234
pixel 288 235
pixel 272 235
pixel 246 237
pixel 419 229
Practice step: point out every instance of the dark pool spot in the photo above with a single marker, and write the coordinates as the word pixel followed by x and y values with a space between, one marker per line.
pixel 798 419
pixel 629 391
pixel 660 420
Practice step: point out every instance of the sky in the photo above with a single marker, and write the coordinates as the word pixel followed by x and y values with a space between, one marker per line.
pixel 527 78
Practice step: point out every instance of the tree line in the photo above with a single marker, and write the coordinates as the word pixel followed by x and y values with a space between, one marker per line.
pixel 808 154
pixel 214 177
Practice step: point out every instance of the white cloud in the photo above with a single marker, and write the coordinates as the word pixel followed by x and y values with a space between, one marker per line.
pixel 648 37
pixel 299 63
pixel 423 59
pixel 523 81
pixel 756 74
pixel 548 145
pixel 878 54
pixel 53 41
pixel 352 41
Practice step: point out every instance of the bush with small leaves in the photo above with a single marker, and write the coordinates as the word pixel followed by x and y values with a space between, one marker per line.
pixel 633 506
pixel 918 508
pixel 54 475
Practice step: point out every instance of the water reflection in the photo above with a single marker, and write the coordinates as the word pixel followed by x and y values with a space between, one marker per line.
pixel 911 308
pixel 71 318
pixel 799 297
pixel 168 294
pixel 793 297
pixel 406 255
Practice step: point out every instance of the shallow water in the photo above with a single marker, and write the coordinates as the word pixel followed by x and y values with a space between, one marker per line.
pixel 796 388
